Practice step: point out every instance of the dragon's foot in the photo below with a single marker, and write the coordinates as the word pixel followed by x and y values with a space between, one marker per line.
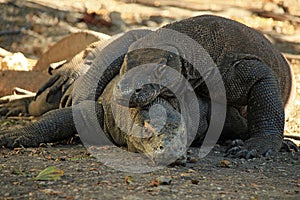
pixel 15 107
pixel 254 147
pixel 239 151
pixel 16 138
pixel 289 146
pixel 8 140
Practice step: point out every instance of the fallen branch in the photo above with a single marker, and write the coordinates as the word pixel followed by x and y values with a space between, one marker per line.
pixel 277 16
pixel 21 118
pixel 191 5
pixel 295 137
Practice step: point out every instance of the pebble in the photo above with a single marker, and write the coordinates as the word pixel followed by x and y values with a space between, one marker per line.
pixel 75 190
pixel 164 180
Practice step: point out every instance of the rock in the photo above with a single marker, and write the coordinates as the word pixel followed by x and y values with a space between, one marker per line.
pixel 161 181
pixel 16 61
pixel 292 7
pixel 164 180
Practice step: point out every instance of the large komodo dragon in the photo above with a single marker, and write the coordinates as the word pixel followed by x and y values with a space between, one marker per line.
pixel 256 77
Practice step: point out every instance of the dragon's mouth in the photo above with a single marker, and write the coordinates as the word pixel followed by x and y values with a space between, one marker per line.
pixel 162 145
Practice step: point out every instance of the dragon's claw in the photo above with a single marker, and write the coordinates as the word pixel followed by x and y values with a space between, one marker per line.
pixel 289 146
pixel 237 149
pixel 233 150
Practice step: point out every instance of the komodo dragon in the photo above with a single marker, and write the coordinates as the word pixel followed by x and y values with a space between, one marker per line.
pixel 256 76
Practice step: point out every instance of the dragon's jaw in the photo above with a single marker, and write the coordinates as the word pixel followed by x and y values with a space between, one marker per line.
pixel 162 147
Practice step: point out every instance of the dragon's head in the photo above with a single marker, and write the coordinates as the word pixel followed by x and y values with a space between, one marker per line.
pixel 145 75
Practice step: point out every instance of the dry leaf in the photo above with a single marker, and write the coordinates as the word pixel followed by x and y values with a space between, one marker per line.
pixel 49 174
pixel 128 179
pixel 225 163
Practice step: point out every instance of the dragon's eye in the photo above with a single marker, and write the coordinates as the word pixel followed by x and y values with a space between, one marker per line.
pixel 159 71
pixel 162 68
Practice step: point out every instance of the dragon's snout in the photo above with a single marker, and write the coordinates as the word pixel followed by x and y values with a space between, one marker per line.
pixel 165 145
pixel 169 151
pixel 131 94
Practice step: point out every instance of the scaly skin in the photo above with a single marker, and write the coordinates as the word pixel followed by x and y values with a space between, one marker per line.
pixel 254 72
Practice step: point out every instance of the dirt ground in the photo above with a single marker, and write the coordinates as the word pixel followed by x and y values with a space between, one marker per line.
pixel 31 27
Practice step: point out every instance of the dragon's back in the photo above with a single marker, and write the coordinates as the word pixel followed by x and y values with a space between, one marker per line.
pixel 227 41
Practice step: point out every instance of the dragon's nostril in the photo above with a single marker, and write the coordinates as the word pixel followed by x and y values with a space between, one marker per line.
pixel 138 90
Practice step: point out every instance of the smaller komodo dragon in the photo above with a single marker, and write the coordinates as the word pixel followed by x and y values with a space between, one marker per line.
pixel 255 74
